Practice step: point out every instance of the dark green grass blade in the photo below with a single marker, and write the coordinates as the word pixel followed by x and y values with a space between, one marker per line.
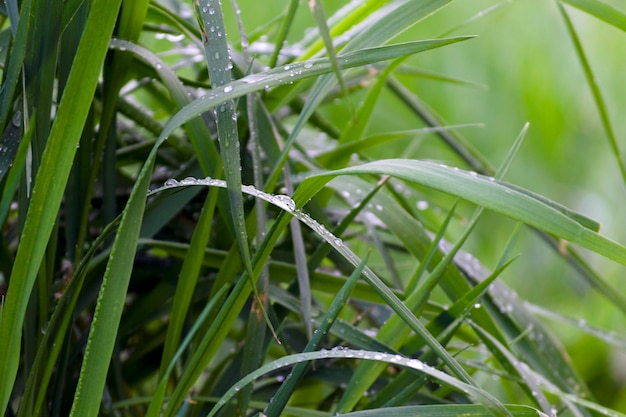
pixel 601 10
pixel 483 191
pixel 279 400
pixel 51 179
pixel 188 279
pixel 595 92
pixel 12 74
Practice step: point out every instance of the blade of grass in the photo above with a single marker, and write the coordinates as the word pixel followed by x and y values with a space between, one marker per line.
pixel 317 8
pixel 601 10
pixel 284 30
pixel 595 91
pixel 11 75
pixel 51 179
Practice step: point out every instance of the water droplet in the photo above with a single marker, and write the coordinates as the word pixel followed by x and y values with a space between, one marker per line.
pixel 171 183
pixel 286 67
pixel 308 65
pixel 228 88
pixel 285 202
pixel 422 205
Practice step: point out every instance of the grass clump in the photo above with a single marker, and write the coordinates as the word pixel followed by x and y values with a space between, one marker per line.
pixel 207 210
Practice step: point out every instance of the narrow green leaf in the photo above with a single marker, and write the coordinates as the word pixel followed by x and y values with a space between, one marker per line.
pixel 12 73
pixel 317 8
pixel 595 91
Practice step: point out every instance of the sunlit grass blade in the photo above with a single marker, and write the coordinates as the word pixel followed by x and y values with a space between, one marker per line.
pixel 284 30
pixel 286 390
pixel 445 410
pixel 601 10
pixel 49 187
pixel 595 91
pixel 317 8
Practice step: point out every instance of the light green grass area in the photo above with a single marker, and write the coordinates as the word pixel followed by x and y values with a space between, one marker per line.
pixel 312 208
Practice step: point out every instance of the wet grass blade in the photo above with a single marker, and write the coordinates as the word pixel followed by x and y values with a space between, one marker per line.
pixel 481 396
pixel 12 74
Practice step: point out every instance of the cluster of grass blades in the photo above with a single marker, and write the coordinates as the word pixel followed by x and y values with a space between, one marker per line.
pixel 188 230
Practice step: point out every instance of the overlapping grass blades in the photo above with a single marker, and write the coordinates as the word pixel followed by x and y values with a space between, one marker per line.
pixel 49 184
pixel 415 322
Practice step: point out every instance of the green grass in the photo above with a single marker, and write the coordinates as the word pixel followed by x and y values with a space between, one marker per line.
pixel 284 209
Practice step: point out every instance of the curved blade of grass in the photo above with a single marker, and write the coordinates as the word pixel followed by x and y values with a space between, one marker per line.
pixel 288 386
pixel 602 11
pixel 51 179
pixel 482 191
pixel 392 331
pixel 445 410
pixel 476 393
pixel 595 91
